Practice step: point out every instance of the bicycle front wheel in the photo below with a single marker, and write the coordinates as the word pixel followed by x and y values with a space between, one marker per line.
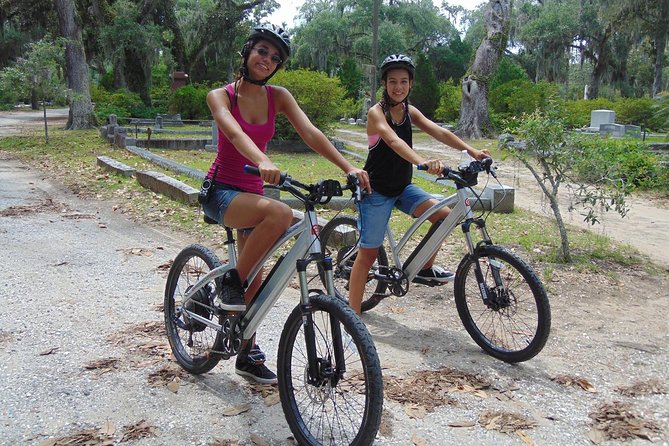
pixel 192 342
pixel 339 407
pixel 513 322
pixel 338 237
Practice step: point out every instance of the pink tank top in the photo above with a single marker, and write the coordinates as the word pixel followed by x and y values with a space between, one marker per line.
pixel 229 163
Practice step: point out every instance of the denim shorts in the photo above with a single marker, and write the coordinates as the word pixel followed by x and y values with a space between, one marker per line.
pixel 219 202
pixel 374 212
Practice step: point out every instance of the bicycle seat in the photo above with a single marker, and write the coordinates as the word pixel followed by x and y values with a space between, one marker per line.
pixel 210 221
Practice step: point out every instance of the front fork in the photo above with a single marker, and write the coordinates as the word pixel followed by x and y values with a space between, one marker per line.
pixel 495 266
pixel 320 369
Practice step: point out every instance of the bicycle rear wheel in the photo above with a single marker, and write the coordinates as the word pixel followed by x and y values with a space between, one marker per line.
pixel 513 323
pixel 340 408
pixel 338 237
pixel 192 342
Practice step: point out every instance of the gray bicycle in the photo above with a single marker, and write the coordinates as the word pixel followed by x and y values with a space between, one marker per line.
pixel 501 301
pixel 329 373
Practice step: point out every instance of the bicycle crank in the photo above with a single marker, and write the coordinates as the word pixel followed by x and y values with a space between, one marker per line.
pixel 395 278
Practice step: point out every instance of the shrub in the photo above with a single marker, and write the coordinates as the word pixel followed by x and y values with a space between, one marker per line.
pixel 121 103
pixel 450 99
pixel 637 111
pixel 576 114
pixel 627 159
pixel 191 102
pixel 520 96
pixel 321 98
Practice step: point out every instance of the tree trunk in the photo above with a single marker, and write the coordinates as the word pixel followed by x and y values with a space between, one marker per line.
pixel 474 117
pixel 660 45
pixel 81 108
pixel 375 48
pixel 600 61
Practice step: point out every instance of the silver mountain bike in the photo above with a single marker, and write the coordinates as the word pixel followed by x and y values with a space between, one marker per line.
pixel 329 373
pixel 501 301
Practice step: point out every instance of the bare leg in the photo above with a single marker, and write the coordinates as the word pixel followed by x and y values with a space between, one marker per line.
pixel 270 218
pixel 363 263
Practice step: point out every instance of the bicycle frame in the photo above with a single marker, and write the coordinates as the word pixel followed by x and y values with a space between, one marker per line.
pixel 461 213
pixel 307 245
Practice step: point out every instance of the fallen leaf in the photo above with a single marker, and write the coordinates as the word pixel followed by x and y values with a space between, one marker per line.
pixel 49 351
pixel 48 442
pixel 173 386
pixel 415 411
pixel 418 441
pixel 596 436
pixel 236 410
pixel 258 440
pixel 108 429
pixel 272 399
pixel 526 438
pixel 462 423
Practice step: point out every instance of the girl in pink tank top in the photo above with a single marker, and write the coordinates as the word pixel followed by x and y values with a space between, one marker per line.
pixel 245 114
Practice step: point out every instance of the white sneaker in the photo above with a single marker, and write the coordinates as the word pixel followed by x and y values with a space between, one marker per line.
pixel 436 274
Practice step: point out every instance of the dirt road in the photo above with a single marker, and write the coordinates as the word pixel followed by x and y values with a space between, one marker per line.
pixel 14 122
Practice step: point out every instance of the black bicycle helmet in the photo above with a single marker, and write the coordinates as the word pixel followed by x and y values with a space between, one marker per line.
pixel 397 61
pixel 274 34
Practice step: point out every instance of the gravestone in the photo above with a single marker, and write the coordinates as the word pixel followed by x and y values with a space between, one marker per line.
pixel 615 130
pixel 633 131
pixel 599 117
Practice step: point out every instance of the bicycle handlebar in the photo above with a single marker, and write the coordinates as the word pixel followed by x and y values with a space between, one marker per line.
pixel 464 172
pixel 318 193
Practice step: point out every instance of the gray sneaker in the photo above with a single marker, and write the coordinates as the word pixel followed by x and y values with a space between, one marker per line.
pixel 251 364
pixel 232 292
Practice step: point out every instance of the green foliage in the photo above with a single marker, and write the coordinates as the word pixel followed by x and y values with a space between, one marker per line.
pixel 191 102
pixel 661 110
pixel 450 99
pixel 39 70
pixel 425 88
pixel 451 61
pixel 123 104
pixel 319 96
pixel 626 160
pixel 351 78
pixel 507 71
pixel 520 96
pixel 637 111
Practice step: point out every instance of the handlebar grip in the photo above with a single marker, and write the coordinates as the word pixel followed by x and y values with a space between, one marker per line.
pixel 421 166
pixel 253 170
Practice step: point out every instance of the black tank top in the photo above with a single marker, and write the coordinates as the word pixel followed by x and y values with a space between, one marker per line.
pixel 389 173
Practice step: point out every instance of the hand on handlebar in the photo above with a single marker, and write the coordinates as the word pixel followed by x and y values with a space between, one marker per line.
pixel 434 167
pixel 480 155
pixel 363 179
pixel 269 172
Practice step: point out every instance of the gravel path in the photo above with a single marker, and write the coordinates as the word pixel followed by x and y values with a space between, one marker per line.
pixel 82 348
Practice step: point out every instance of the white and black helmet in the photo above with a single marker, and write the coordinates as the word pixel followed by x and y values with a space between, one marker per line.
pixel 274 34
pixel 397 61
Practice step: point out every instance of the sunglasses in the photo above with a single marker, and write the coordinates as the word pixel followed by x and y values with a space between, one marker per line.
pixel 264 52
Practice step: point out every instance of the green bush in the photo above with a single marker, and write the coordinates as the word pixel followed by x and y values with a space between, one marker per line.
pixel 637 111
pixel 321 98
pixel 191 102
pixel 121 103
pixel 614 159
pixel 520 96
pixel 450 99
